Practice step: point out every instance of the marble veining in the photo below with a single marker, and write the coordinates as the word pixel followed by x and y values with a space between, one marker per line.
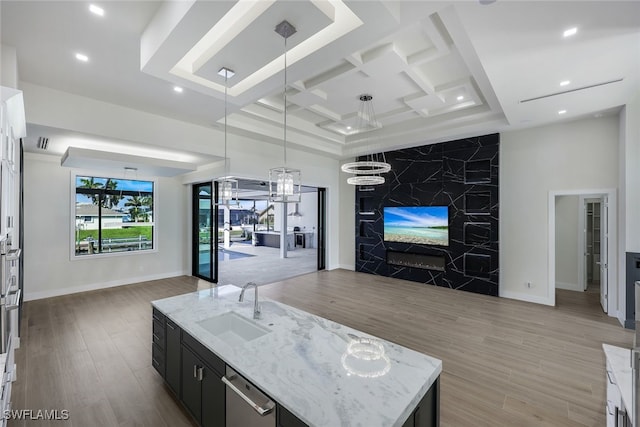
pixel 620 360
pixel 325 373
pixel 463 175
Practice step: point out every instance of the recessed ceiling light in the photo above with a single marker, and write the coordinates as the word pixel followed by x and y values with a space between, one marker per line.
pixel 460 98
pixel 348 127
pixel 570 32
pixel 562 111
pixel 177 89
pixel 97 10
pixel 82 57
pixel 565 82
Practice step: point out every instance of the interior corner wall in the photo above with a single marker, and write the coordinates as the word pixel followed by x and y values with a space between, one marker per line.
pixel 567 211
pixel 576 155
pixel 49 270
pixel 629 212
pixel 347 223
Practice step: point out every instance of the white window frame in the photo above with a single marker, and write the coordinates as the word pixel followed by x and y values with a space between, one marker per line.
pixel 72 223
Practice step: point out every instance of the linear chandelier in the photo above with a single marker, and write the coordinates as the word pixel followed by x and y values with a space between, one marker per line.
pixel 367 171
pixel 284 182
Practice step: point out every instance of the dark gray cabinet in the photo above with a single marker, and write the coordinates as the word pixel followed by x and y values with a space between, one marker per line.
pixel 427 413
pixel 287 419
pixel 158 343
pixel 172 356
pixel 191 387
pixel 203 392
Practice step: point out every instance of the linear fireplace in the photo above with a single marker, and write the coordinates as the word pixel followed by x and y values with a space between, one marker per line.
pixel 415 260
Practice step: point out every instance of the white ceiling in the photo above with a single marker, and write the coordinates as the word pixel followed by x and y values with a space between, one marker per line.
pixel 416 58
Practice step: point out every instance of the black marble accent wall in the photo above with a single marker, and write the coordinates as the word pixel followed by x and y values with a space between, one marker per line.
pixel 461 174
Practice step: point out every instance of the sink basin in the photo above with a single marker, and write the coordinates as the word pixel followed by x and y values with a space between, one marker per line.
pixel 233 328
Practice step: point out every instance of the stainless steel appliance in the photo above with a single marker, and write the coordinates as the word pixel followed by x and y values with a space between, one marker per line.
pixel 10 293
pixel 247 406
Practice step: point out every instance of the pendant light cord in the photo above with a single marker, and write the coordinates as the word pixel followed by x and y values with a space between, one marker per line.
pixel 226 167
pixel 285 101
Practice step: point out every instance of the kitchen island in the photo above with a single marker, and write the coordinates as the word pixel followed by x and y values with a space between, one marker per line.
pixel 272 239
pixel 319 373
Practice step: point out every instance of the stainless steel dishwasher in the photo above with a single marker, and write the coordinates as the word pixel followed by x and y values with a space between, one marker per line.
pixel 246 405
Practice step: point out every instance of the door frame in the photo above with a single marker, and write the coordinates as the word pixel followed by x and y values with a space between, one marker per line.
pixel 612 246
pixel 213 241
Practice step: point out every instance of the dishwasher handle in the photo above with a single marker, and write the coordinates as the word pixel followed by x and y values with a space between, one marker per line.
pixel 259 409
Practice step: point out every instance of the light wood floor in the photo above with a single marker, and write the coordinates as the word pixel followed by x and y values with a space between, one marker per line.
pixel 506 363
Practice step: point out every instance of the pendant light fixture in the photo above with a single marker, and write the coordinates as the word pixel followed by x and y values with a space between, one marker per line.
pixel 284 182
pixel 228 187
pixel 367 172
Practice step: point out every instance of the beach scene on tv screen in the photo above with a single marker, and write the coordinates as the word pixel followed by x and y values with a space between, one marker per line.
pixel 423 225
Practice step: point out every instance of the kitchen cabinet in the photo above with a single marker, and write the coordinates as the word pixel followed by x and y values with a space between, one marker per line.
pixel 203 392
pixel 619 386
pixel 287 419
pixel 158 343
pixel 427 414
pixel 172 356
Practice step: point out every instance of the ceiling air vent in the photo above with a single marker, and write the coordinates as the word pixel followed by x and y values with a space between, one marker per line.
pixel 571 90
pixel 43 142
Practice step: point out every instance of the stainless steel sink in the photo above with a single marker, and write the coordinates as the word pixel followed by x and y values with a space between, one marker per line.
pixel 233 328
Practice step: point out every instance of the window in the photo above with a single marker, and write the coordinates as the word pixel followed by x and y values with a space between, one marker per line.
pixel 113 215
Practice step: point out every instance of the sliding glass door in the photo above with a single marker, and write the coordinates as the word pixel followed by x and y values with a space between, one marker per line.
pixel 205 232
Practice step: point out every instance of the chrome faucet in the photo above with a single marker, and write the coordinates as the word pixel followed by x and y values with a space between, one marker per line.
pixel 256 306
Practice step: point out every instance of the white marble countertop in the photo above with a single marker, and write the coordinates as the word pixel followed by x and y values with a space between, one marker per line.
pixel 306 363
pixel 620 360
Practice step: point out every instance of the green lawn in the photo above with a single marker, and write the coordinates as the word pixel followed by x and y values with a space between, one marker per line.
pixel 119 233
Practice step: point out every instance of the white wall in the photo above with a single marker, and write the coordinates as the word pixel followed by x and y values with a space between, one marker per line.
pixel 581 154
pixel 347 222
pixel 567 254
pixel 8 66
pixel 308 222
pixel 248 158
pixel 49 270
pixel 629 180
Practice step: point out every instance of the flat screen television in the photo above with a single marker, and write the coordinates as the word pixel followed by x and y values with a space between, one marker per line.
pixel 422 225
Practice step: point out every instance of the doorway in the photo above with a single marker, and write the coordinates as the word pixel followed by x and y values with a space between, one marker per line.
pixel 582 261
pixel 239 242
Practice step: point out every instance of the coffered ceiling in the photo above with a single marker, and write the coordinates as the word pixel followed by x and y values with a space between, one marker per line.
pixel 436 70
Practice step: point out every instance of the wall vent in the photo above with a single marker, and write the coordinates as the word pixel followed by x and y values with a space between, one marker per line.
pixel 43 142
pixel 571 90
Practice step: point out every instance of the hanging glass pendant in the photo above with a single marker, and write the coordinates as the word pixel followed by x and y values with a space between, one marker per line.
pixel 284 185
pixel 228 190
pixel 367 171
pixel 284 182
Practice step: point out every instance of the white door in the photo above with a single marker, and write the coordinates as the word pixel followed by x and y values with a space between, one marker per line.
pixel 604 254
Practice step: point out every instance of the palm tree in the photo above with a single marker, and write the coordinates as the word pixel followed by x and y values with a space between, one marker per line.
pixel 135 205
pixel 111 200
pixel 108 200
pixel 92 184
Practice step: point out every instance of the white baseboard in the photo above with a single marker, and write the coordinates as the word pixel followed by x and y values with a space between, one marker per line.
pixel 351 267
pixel 525 297
pixel 569 286
pixel 30 296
